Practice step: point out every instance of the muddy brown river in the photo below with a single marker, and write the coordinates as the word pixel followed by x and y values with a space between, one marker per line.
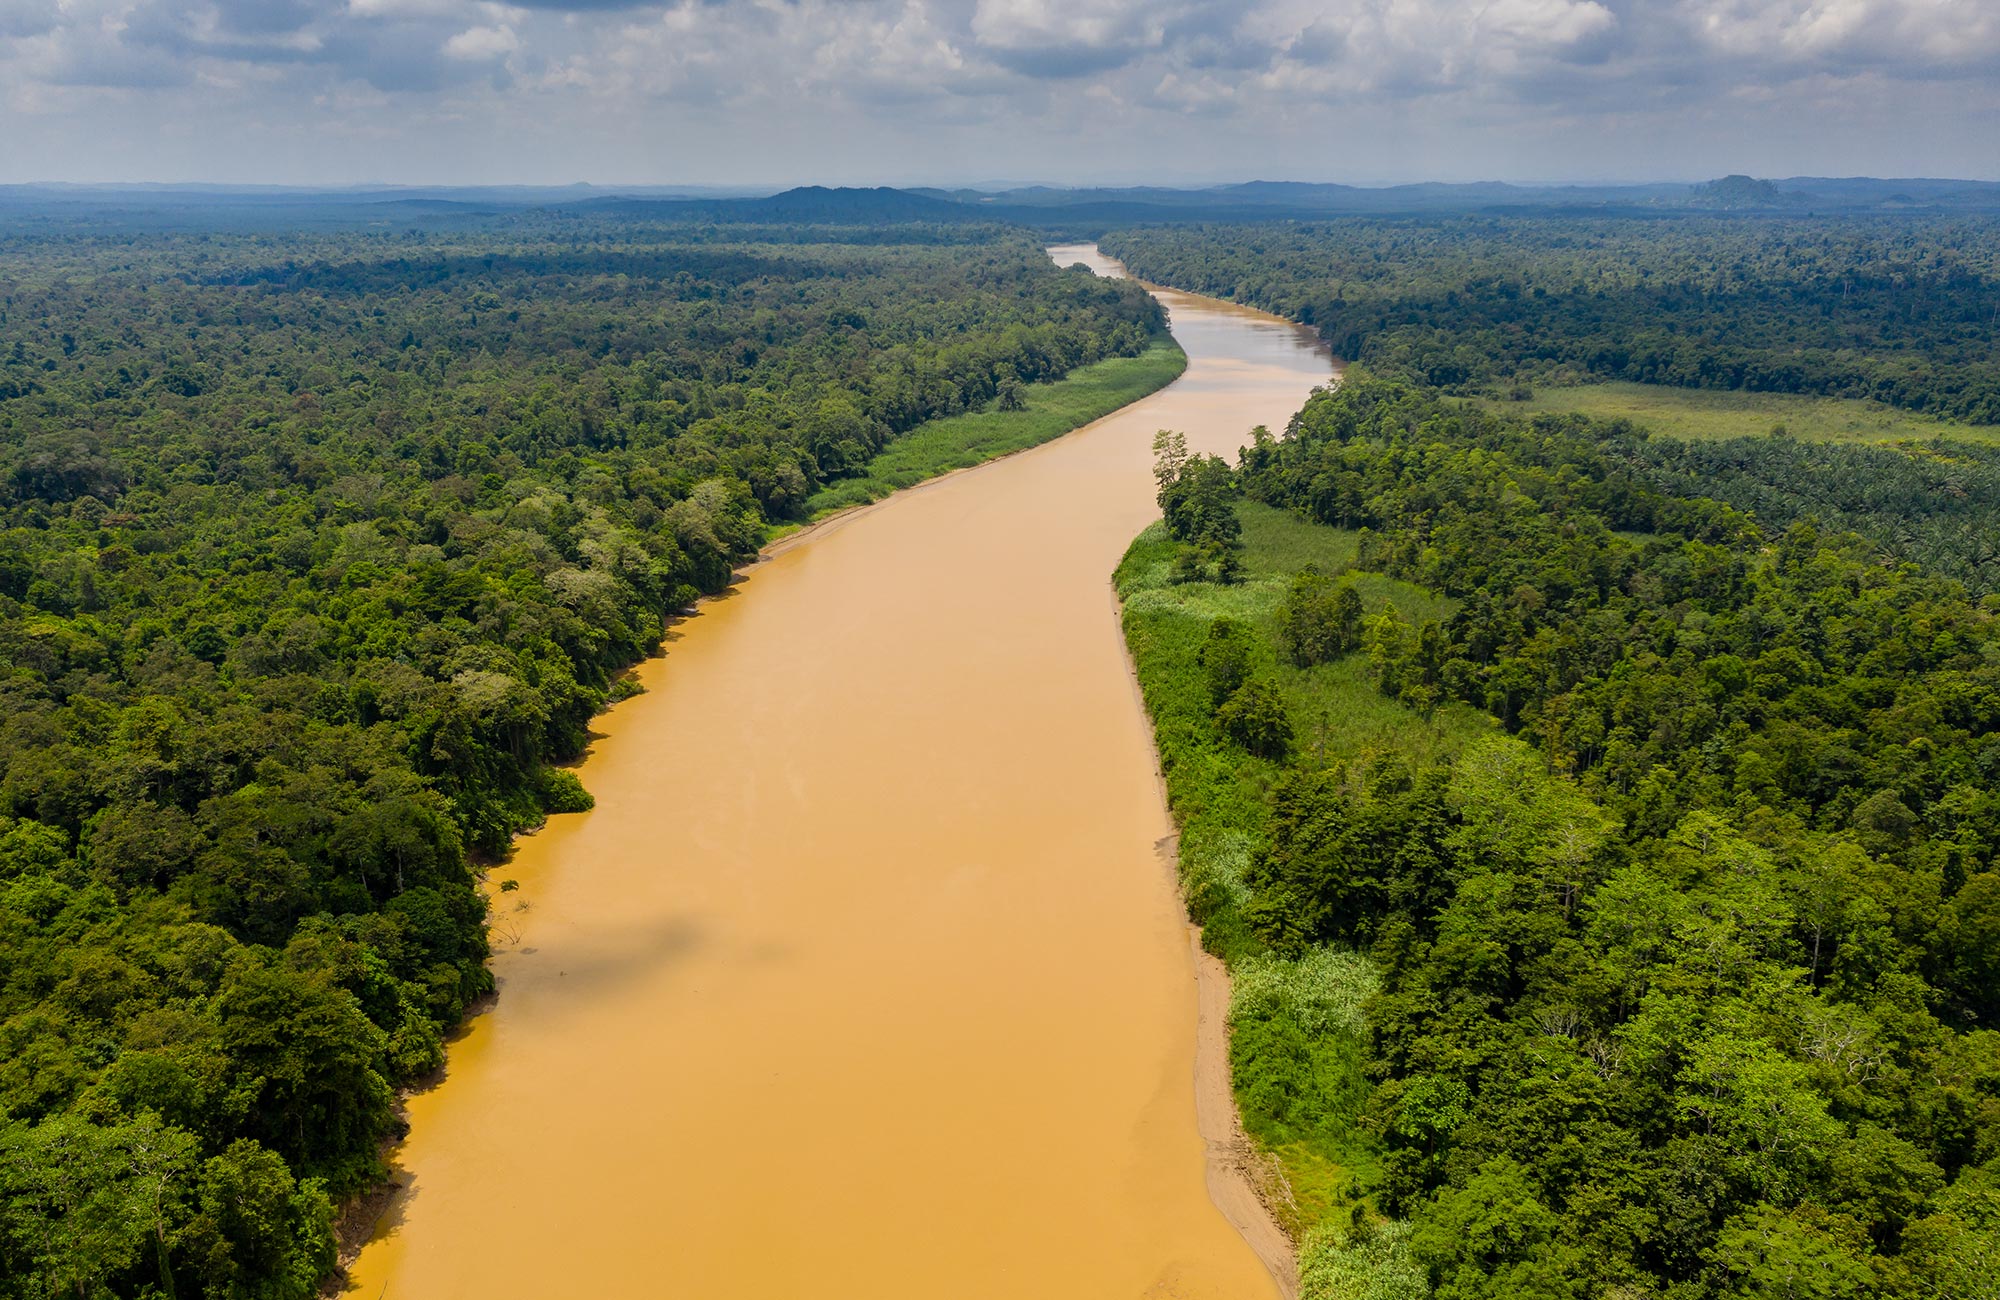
pixel 865 978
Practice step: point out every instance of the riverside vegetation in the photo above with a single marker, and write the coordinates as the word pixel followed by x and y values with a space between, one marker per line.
pixel 1898 309
pixel 318 551
pixel 1608 874
pixel 1775 352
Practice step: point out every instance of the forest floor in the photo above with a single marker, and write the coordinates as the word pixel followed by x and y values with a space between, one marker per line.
pixel 1698 413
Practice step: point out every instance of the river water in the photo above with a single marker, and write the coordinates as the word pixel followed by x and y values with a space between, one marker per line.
pixel 865 978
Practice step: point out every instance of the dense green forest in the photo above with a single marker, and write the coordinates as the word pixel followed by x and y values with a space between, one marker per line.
pixel 1931 502
pixel 318 551
pixel 1652 948
pixel 1601 828
pixel 1900 309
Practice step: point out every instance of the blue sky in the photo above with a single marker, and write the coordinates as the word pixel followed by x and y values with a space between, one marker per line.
pixel 775 92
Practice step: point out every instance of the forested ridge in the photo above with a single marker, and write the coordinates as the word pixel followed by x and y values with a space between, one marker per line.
pixel 318 550
pixel 1680 981
pixel 1900 309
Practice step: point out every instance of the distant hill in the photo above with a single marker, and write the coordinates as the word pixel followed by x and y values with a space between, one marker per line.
pixel 1297 200
pixel 1869 192
pixel 1739 192
pixel 809 204
pixel 1306 200
pixel 1081 212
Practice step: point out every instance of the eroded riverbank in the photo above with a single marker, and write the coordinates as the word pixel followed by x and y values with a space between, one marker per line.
pixel 863 978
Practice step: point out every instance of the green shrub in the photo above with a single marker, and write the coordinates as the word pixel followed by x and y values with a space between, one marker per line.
pixel 563 792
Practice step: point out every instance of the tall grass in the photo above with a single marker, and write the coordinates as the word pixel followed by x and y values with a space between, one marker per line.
pixel 1048 412
pixel 1700 413
pixel 1335 1264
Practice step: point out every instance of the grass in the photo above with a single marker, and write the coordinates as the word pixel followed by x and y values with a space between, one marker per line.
pixel 1219 796
pixel 1336 712
pixel 1049 411
pixel 1703 414
pixel 1278 543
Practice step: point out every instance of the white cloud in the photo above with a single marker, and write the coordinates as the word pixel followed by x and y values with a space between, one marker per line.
pixel 1915 34
pixel 1546 22
pixel 408 8
pixel 1072 29
pixel 980 77
pixel 482 43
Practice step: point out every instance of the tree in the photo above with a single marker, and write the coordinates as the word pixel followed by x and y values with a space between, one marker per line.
pixel 161 1162
pixel 1197 498
pixel 1494 1238
pixel 305 1059
pixel 80 1201
pixel 1170 455
pixel 1227 658
pixel 1975 941
pixel 1804 1255
pixel 260 1234
pixel 1320 619
pixel 1254 717
pixel 1955 1250
pixel 1199 504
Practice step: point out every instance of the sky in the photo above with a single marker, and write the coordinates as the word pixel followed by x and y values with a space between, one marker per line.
pixel 769 93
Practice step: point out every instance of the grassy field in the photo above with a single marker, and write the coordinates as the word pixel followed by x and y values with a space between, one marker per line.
pixel 1219 793
pixel 1050 411
pixel 1694 413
